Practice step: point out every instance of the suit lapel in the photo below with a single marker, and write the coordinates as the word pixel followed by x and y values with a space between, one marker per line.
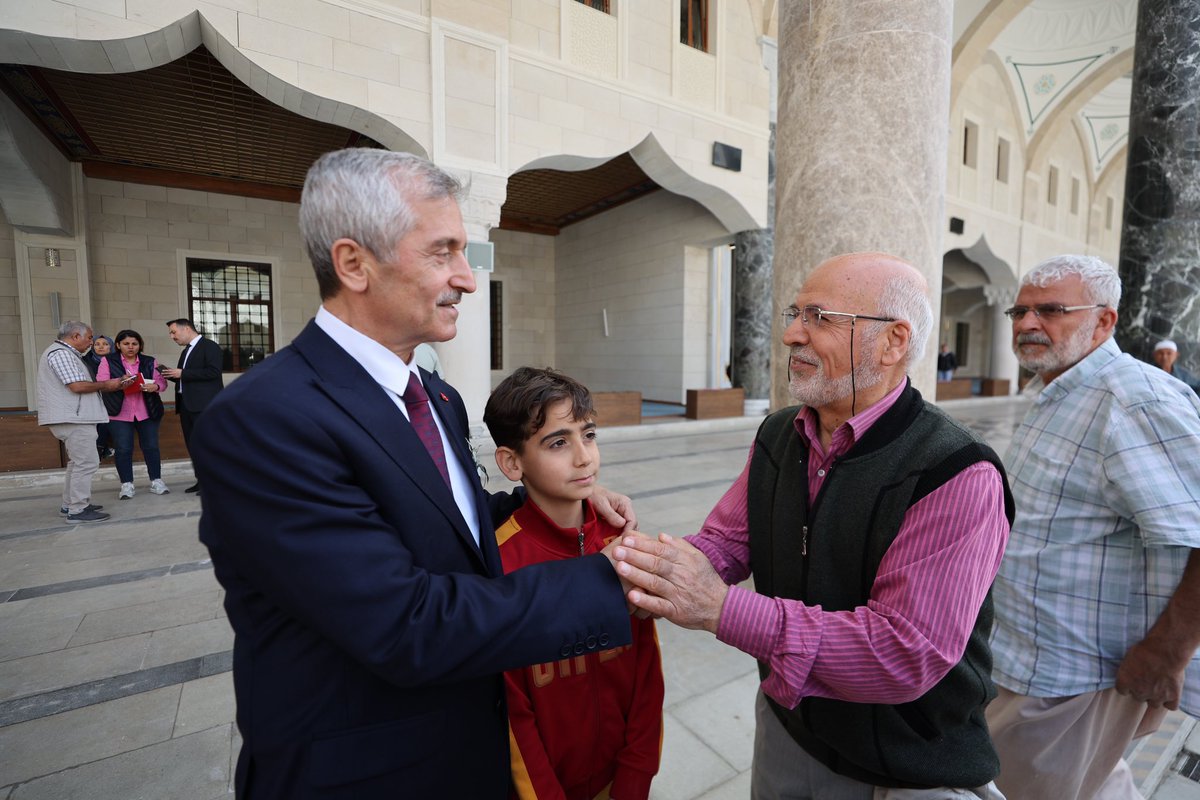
pixel 439 397
pixel 347 384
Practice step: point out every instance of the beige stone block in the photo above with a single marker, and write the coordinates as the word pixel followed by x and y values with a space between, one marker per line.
pixel 594 98
pixel 187 197
pixel 187 230
pixel 524 36
pixel 326 83
pixel 117 256
pixel 247 219
pixel 470 72
pixel 211 246
pixel 226 201
pixel 312 15
pixel 149 227
pixel 265 237
pixel 165 244
pixel 99 223
pixel 366 62
pixel 104 188
pixel 152 259
pixel 539 81
pixel 143 191
pixel 522 103
pixel 262 206
pixel 285 41
pixel 639 111
pixel 227 233
pixel 470 144
pixel 123 206
pixel 129 241
pixel 542 136
pixel 471 116
pixel 205 703
pixel 389 36
pixel 675 121
pixel 281 67
pixel 521 155
pixel 204 214
pixel 386 98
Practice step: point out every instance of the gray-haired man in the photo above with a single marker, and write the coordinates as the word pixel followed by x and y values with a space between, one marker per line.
pixel 70 406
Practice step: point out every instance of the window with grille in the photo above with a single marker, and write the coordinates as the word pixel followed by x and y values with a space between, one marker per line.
pixel 693 23
pixel 497 338
pixel 230 302
pixel 599 5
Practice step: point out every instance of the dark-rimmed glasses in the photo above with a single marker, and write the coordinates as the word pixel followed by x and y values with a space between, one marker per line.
pixel 815 316
pixel 1049 311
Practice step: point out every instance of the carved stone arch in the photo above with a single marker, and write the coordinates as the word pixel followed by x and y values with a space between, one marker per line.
pixel 173 41
pixel 658 165
pixel 976 41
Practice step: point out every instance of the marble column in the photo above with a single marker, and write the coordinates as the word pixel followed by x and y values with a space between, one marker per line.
pixel 864 96
pixel 1004 360
pixel 753 253
pixel 1159 265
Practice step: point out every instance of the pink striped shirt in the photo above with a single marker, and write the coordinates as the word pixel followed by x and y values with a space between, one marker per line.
pixel 923 605
pixel 133 407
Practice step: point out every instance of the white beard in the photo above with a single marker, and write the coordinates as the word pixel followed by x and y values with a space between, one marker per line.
pixel 818 391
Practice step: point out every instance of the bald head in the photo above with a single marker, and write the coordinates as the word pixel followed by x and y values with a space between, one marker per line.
pixel 877 284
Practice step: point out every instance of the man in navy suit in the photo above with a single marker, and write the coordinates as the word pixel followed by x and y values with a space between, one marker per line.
pixel 197 378
pixel 371 615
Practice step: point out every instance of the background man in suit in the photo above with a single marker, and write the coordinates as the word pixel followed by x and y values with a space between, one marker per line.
pixel 347 524
pixel 197 378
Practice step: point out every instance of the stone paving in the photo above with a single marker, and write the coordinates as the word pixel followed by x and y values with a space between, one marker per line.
pixel 115 651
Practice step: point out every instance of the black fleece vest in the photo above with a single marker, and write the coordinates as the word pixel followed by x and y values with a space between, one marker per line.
pixel 113 401
pixel 827 553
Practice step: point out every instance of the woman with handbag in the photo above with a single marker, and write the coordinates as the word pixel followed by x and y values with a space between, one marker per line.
pixel 137 408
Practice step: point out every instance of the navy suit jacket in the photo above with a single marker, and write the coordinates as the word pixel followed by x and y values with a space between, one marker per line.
pixel 370 632
pixel 202 377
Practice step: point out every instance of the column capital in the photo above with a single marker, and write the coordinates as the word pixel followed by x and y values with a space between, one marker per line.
pixel 1002 296
pixel 480 201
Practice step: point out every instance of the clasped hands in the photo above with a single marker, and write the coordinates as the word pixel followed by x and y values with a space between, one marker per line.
pixel 668 577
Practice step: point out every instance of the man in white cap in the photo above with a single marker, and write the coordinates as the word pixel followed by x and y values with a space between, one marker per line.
pixel 1165 354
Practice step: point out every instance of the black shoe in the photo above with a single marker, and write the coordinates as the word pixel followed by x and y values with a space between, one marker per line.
pixel 107 453
pixel 90 507
pixel 87 515
pixel 194 488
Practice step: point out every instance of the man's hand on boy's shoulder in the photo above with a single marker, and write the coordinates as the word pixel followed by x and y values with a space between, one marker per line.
pixel 616 509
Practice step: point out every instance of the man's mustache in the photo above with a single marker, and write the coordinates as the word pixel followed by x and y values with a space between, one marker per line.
pixel 1033 338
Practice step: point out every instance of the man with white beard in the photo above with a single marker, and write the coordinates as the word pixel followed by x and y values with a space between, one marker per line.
pixel 1098 597
pixel 873 525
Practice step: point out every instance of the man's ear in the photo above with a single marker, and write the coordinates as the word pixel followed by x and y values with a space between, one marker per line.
pixel 509 463
pixel 1104 325
pixel 896 341
pixel 353 264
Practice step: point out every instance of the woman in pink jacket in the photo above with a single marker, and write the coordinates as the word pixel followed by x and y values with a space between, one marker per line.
pixel 137 408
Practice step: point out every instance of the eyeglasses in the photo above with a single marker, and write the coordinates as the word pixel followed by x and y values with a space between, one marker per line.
pixel 1046 310
pixel 814 316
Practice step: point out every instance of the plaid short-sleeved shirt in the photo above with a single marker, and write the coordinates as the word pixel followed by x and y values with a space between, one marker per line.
pixel 1105 470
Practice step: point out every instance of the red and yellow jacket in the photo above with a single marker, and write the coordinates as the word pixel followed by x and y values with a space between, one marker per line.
pixel 579 725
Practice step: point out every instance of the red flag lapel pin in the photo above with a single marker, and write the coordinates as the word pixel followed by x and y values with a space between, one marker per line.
pixel 443 396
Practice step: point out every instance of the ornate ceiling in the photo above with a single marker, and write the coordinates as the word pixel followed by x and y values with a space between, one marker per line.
pixel 1065 57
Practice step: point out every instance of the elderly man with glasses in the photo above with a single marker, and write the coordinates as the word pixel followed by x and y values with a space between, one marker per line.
pixel 1098 597
pixel 873 525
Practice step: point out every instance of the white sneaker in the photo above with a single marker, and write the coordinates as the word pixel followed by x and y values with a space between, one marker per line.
pixel 126 491
pixel 158 487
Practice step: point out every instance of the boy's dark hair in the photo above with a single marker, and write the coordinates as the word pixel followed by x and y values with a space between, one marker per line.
pixel 182 322
pixel 517 407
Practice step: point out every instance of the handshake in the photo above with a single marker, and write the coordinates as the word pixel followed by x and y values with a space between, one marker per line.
pixel 668 577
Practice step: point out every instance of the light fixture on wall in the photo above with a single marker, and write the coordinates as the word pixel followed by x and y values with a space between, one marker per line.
pixel 53 259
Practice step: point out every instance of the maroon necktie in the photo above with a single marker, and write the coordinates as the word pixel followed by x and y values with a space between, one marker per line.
pixel 421 418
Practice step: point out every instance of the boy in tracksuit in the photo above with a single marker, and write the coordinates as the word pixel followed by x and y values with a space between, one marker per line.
pixel 588 726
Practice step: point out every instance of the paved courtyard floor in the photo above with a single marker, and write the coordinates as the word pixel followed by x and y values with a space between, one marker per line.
pixel 115 651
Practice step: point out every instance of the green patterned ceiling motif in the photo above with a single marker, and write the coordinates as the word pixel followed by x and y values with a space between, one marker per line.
pixel 1108 132
pixel 1042 83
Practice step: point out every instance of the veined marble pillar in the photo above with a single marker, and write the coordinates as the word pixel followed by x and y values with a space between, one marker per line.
pixel 753 254
pixel 1159 265
pixel 864 99
pixel 1004 361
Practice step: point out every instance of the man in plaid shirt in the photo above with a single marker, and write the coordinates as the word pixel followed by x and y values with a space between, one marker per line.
pixel 1098 596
